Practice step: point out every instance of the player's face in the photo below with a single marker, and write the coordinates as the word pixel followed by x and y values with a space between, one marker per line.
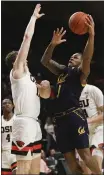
pixel 7 105
pixel 75 60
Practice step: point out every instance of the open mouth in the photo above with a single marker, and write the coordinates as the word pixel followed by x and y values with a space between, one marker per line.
pixel 70 61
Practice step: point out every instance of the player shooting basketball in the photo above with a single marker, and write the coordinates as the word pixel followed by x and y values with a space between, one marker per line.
pixel 72 129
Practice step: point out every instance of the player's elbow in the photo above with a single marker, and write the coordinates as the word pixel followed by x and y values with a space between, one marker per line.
pixel 45 92
pixel 45 95
pixel 44 62
pixel 27 36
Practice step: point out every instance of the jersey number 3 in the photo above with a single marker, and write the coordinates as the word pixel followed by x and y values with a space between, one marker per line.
pixel 8 137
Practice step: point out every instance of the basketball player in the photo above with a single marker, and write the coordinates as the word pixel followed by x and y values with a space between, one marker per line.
pixel 71 129
pixel 91 101
pixel 9 164
pixel 25 92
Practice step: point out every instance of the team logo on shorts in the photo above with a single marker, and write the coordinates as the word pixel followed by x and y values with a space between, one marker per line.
pixel 81 130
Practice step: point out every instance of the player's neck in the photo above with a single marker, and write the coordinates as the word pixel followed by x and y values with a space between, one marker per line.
pixel 7 116
pixel 71 66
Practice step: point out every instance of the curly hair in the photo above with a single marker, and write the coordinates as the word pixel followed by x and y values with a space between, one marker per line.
pixel 10 58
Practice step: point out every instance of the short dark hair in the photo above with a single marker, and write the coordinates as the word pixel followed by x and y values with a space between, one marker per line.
pixel 10 58
pixel 7 99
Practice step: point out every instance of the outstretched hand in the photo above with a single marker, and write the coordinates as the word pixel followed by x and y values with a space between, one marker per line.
pixel 37 10
pixel 44 84
pixel 57 36
pixel 90 24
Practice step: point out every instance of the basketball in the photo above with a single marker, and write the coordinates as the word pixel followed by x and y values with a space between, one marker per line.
pixel 77 23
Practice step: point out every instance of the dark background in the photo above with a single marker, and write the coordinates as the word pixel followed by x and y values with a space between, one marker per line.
pixel 15 17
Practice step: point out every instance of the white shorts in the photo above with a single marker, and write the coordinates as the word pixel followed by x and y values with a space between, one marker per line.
pixel 94 139
pixel 26 137
pixel 97 137
pixel 8 161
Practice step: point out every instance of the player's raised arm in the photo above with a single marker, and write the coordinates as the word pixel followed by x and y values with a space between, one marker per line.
pixel 20 61
pixel 47 60
pixel 89 48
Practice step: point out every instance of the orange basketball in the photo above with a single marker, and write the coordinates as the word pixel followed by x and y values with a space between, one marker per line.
pixel 77 23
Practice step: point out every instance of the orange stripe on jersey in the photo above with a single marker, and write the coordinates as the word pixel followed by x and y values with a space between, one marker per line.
pixel 14 165
pixel 6 173
pixel 17 149
pixel 39 146
pixel 27 148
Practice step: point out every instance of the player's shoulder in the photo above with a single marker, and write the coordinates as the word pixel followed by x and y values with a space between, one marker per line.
pixel 24 76
pixel 14 116
pixel 93 89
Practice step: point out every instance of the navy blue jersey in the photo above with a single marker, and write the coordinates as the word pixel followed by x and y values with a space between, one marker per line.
pixel 67 91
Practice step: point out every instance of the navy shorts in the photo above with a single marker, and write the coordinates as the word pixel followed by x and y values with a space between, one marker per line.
pixel 72 131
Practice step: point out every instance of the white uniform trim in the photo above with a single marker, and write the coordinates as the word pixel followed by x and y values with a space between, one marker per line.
pixel 91 98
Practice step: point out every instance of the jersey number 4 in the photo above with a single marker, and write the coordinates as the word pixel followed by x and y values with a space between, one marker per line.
pixel 8 137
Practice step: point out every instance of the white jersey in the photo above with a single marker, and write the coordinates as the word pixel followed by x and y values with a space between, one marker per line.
pixel 91 98
pixel 25 98
pixel 6 133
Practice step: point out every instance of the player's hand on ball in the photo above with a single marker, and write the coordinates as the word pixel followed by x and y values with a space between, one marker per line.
pixel 37 10
pixel 57 36
pixel 90 23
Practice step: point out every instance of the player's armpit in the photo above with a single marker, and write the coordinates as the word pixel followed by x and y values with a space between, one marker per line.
pixel 83 78
pixel 85 68
pixel 18 73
